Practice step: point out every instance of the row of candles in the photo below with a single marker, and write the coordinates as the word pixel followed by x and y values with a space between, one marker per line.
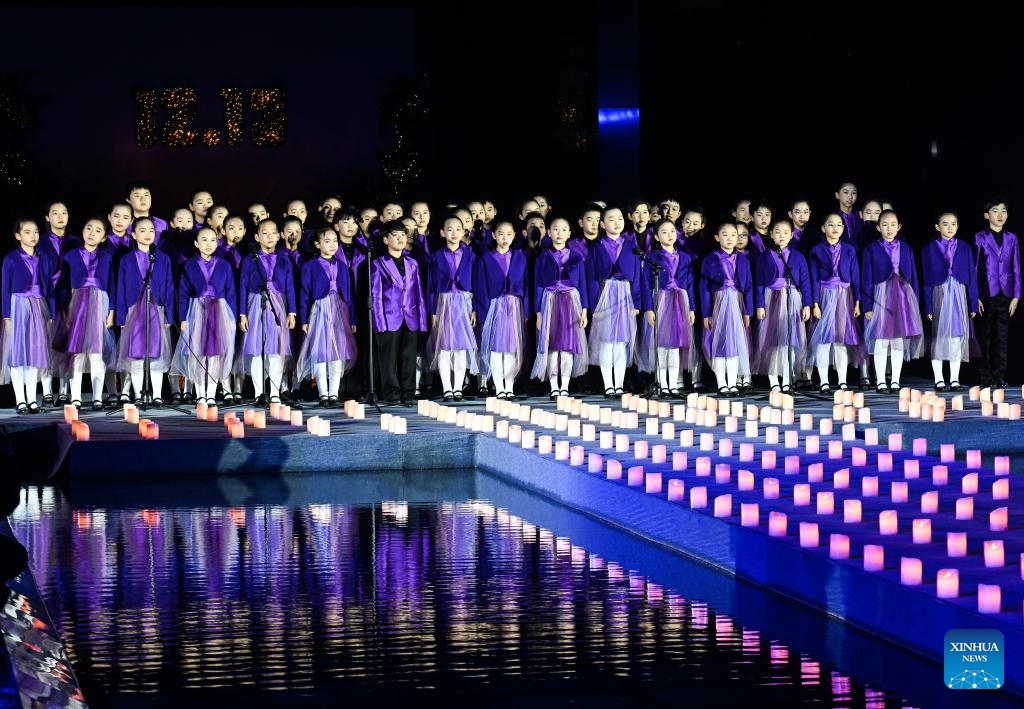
pixel 652 481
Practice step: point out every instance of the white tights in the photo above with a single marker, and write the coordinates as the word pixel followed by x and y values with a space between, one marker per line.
pixel 24 381
pixel 97 371
pixel 501 370
pixel 451 366
pixel 726 370
pixel 328 378
pixel 891 350
pixel 612 358
pixel 841 357
pixel 276 366
pixel 560 366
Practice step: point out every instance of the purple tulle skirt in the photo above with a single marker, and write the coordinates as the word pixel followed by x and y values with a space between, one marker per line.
pixel 561 330
pixel 612 320
pixel 781 336
pixel 25 340
pixel 83 330
pixel 837 325
pixel 132 345
pixel 328 337
pixel 897 316
pixel 454 329
pixel 727 336
pixel 279 341
pixel 675 331
pixel 207 347
pixel 952 336
pixel 502 332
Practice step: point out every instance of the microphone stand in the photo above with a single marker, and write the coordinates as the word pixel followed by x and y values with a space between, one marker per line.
pixel 656 269
pixel 788 275
pixel 371 396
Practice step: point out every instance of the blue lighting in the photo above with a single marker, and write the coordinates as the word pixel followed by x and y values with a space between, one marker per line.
pixel 622 116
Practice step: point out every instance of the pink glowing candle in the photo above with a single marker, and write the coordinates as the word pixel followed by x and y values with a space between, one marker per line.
pixel 200 411
pixel 792 464
pixel 792 439
pixel 837 412
pixel 989 598
pixel 676 490
pixel 750 429
pixel 826 503
pixel 679 460
pixel 997 519
pixel 606 440
pixel 515 433
pixel 812 445
pixel 770 487
pixel 595 463
pixel 750 515
pixel 859 457
pixel 888 522
pixel 850 432
pixel 641 449
pixel 969 484
pixel 885 462
pixel 808 535
pixel 616 420
pixel 652 483
pixel 838 546
pixel 965 508
pixel 911 468
pixel 930 502
pixel 835 450
pixel 806 422
pixel 668 431
pixel 707 441
pixel 577 455
pixel 825 427
pixel 869 486
pixel 725 447
pixel 771 435
pixel 910 571
pixel 698 498
pixel 768 459
pixel 1000 489
pixel 863 415
pixel 746 452
pixel 957 403
pixel 898 491
pixel 801 494
pixel 914 409
pixel 920 447
pixel 852 511
pixel 815 471
pixel 237 430
pixel 986 408
pixel 723 506
pixel 621 442
pixel 651 426
pixel 659 454
pixel 841 479
pixel 259 419
pixel 874 557
pixel 703 466
pixel 686 438
pixel 1001 465
pixel 956 544
pixel 635 476
pixel 131 415
pixel 947 582
pixel 777 524
pixel 723 473
pixel 998 396
pixel 940 475
pixel 70 413
pixel 613 470
pixel 744 480
pixel 80 431
pixel 921 529
pixel 994 557
pixel 871 436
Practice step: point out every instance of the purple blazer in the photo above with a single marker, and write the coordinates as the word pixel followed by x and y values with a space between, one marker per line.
pixel 232 254
pixel 395 299
pixel 998 268
pixel 876 267
pixel 756 243
pixel 193 283
pixel 490 281
pixel 252 278
pixel 73 274
pixel 55 255
pixel 683 276
pixel 130 283
pixel 820 265
pixel 179 245
pixel 357 266
pixel 856 231
pixel 546 274
pixel 16 277
pixel 314 285
pixel 935 271
pixel 712 278
pixel 600 268
pixel 440 278
pixel 768 270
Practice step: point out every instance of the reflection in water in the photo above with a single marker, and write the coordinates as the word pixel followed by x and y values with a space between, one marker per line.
pixel 428 596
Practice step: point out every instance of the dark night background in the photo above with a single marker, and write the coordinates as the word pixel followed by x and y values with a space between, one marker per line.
pixel 454 101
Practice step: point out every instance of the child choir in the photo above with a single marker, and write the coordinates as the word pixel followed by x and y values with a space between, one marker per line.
pixel 205 305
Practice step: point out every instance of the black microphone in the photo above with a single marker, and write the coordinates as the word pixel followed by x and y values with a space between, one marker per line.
pixel 152 256
pixel 534 235
pixel 478 226
pixel 639 251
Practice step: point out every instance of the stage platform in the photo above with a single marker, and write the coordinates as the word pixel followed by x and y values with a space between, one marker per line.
pixel 691 501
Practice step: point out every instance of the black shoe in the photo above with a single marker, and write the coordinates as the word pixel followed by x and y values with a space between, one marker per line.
pixel 261 401
pixel 176 397
pixel 825 389
pixel 77 404
pixel 158 402
pixel 955 386
pixel 458 395
pixel 33 408
pixel 97 405
pixel 48 401
pixel 883 388
pixel 554 395
pixel 609 393
pixel 894 388
pixel 324 402
pixel 21 409
pixel 1001 384
pixel 448 396
pixel 484 392
pixel 125 399
pixel 865 383
pixel 188 397
pixel 333 401
pixel 63 400
pixel 941 386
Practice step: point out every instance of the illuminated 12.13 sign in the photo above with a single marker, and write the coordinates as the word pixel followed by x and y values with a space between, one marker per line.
pixel 178 107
